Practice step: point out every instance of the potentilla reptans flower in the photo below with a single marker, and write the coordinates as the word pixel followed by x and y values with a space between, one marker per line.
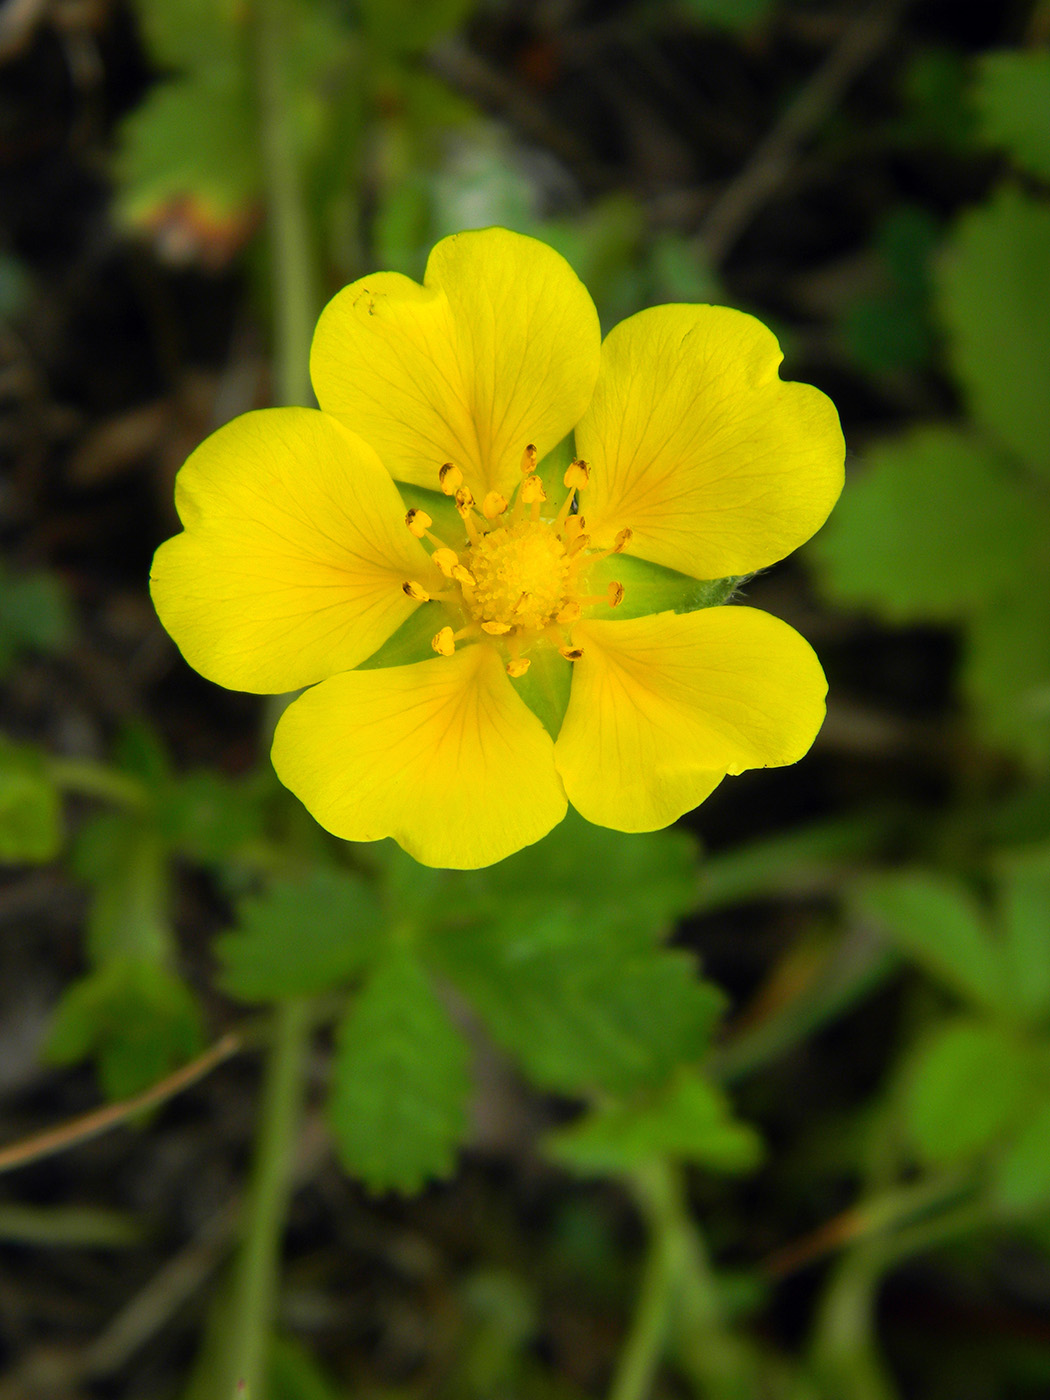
pixel 524 624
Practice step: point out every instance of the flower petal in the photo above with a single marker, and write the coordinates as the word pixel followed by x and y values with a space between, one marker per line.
pixel 291 563
pixel 717 466
pixel 498 349
pixel 442 756
pixel 663 707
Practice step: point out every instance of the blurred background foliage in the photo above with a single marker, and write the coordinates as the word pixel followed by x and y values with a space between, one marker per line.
pixel 759 1107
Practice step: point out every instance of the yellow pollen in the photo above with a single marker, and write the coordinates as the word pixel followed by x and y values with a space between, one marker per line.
pixel 571 653
pixel 496 629
pixel 415 591
pixel 519 667
pixel 521 576
pixel 419 522
pixel 443 643
pixel 495 503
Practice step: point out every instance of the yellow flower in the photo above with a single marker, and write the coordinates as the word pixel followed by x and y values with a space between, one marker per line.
pixel 299 562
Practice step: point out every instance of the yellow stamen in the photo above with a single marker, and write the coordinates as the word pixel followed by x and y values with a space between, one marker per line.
pixel 577 474
pixel 621 540
pixel 569 614
pixel 496 629
pixel 573 527
pixel 419 522
pixel 614 593
pixel 571 653
pixel 529 458
pixel 443 643
pixel 495 503
pixel 464 578
pixel 575 545
pixel 532 492
pixel 518 667
pixel 416 591
pixel 465 506
pixel 446 559
pixel 450 478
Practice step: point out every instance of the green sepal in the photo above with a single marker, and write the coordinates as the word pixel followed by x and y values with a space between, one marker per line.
pixel 411 642
pixel 545 686
pixel 651 588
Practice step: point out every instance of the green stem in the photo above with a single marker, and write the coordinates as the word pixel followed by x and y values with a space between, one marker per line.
pixel 96 780
pixel 679 1300
pixel 254 1290
pixel 295 303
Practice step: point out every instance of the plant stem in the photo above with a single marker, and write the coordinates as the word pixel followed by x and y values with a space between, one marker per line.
pixel 254 1289
pixel 290 251
pixel 678 1300
pixel 89 779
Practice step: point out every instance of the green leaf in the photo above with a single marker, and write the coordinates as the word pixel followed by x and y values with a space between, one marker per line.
pixel 410 26
pixel 30 808
pixel 208 817
pixel 125 861
pixel 1024 911
pixel 137 1019
pixel 994 288
pixel 936 525
pixel 581 1003
pixel 969 1083
pixel 1006 671
pixel 193 140
pixel 937 923
pixel 35 613
pixel 1022 1177
pixel 301 937
pixel 690 1120
pixel 639 883
pixel 728 14
pixel 400 1080
pixel 1012 95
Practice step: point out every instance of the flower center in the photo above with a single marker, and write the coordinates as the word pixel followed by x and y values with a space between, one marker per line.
pixel 521 575
pixel 518 577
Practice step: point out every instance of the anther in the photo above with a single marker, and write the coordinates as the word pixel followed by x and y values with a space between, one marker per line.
pixel 496 629
pixel 577 474
pixel 495 503
pixel 614 593
pixel 529 458
pixel 464 499
pixel 446 559
pixel 415 591
pixel 443 642
pixel 419 522
pixel 450 478
pixel 573 527
pixel 464 577
pixel 571 653
pixel 518 667
pixel 621 540
pixel 569 613
pixel 575 545
pixel 532 491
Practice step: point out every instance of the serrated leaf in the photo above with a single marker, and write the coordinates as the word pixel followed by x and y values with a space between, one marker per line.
pixel 302 937
pixel 993 290
pixel 30 808
pixel 400 1080
pixel 137 1019
pixel 691 1120
pixel 1022 1175
pixel 580 1003
pixel 1012 95
pixel 937 923
pixel 639 883
pixel 968 1085
pixel 935 525
pixel 1024 915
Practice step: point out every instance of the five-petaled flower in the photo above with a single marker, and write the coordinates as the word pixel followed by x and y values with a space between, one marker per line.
pixel 299 561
